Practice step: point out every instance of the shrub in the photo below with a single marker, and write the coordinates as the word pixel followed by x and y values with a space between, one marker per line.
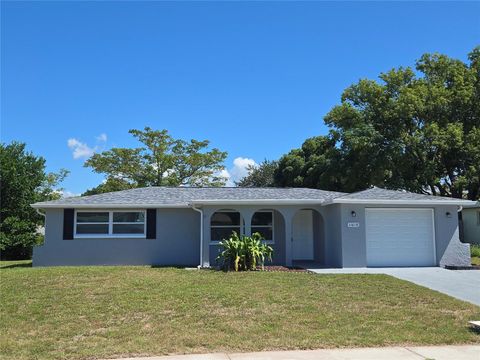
pixel 475 250
pixel 244 252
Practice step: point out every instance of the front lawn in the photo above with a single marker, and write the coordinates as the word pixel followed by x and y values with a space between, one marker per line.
pixel 101 312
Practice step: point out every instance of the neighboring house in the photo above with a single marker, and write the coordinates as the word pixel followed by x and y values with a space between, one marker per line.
pixel 471 224
pixel 183 226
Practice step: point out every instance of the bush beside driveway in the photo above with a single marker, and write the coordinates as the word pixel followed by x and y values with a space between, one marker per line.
pixel 105 312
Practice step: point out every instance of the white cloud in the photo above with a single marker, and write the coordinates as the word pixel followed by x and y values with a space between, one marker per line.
pixel 238 170
pixel 226 175
pixel 81 150
pixel 102 137
pixel 65 193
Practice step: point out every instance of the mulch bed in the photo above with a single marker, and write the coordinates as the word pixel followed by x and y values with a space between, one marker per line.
pixel 472 267
pixel 283 269
pixel 272 268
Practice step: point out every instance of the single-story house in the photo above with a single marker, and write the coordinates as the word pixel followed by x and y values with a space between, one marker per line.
pixel 183 226
pixel 471 224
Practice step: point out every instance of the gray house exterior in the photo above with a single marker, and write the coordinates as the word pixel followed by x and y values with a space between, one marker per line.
pixel 183 226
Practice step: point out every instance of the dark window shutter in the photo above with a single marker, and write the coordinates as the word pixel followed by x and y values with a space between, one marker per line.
pixel 151 223
pixel 68 215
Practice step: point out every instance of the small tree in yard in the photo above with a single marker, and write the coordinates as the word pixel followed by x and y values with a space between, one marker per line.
pixel 23 181
pixel 244 252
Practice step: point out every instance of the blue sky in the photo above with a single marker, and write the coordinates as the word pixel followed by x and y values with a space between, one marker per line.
pixel 255 78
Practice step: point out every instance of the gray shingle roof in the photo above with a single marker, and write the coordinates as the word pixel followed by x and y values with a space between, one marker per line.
pixel 182 196
pixel 376 193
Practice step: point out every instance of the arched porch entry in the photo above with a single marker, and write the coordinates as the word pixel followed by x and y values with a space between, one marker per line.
pixel 308 237
pixel 245 220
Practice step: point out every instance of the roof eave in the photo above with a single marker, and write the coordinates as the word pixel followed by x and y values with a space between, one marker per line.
pixel 474 205
pixel 107 206
pixel 467 203
pixel 181 205
pixel 259 202
pixel 458 202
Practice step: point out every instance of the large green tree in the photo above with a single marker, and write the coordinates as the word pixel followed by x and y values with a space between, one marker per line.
pixel 23 182
pixel 261 175
pixel 109 185
pixel 414 130
pixel 161 161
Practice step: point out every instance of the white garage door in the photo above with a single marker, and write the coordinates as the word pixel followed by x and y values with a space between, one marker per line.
pixel 400 237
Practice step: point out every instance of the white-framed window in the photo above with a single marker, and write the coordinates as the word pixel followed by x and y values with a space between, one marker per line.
pixel 223 223
pixel 110 224
pixel 262 223
pixel 478 218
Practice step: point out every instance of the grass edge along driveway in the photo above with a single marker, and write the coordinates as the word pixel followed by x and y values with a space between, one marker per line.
pixel 107 312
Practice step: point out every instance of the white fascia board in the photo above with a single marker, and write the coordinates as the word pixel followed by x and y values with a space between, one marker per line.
pixel 258 202
pixel 472 206
pixel 400 202
pixel 108 206
pixel 200 202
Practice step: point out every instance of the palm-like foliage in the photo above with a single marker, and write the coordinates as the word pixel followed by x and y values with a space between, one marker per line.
pixel 244 252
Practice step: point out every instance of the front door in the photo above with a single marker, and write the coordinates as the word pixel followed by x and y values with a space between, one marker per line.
pixel 302 239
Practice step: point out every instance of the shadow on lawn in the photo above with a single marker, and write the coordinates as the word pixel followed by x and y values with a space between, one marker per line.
pixel 18 265
pixel 474 330
pixel 172 267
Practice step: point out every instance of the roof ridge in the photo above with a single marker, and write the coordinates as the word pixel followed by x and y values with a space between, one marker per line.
pixel 356 192
pixel 230 187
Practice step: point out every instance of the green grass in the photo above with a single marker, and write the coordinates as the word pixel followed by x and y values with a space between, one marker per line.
pixel 475 253
pixel 475 250
pixel 102 312
pixel 15 264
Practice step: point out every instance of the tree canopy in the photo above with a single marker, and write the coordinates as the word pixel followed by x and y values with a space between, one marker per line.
pixel 23 182
pixel 261 175
pixel 414 130
pixel 161 161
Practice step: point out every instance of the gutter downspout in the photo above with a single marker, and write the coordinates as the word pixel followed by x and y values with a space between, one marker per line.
pixel 44 227
pixel 461 235
pixel 39 212
pixel 201 234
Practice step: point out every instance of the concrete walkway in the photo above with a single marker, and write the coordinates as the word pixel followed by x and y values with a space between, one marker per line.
pixel 460 284
pixel 467 352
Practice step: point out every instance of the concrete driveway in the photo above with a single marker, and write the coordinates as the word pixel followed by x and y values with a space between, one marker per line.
pixel 461 284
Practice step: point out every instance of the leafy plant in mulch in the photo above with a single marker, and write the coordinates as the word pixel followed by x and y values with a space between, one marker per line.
pixel 475 250
pixel 242 253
